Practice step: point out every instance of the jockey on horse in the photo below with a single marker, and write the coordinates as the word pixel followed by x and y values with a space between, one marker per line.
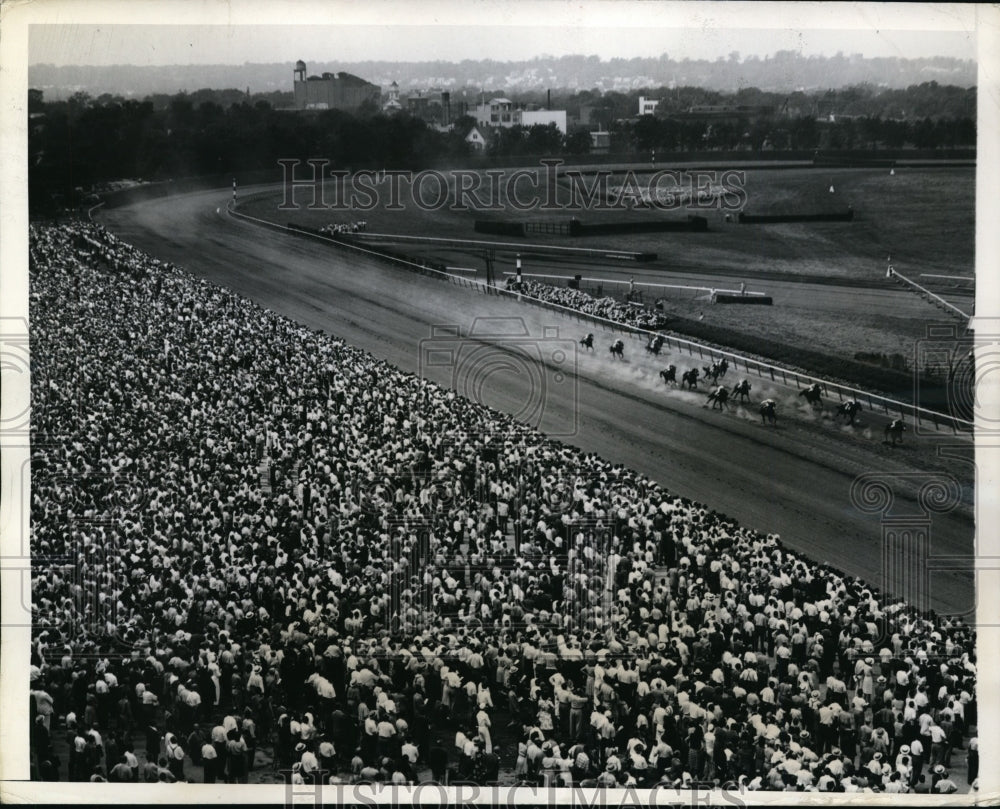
pixel 848 410
pixel 669 374
pixel 618 349
pixel 813 393
pixel 767 411
pixel 742 389
pixel 894 430
pixel 655 344
pixel 719 396
pixel 588 342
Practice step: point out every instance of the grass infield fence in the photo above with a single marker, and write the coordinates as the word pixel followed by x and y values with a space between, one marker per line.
pixel 759 368
pixel 937 300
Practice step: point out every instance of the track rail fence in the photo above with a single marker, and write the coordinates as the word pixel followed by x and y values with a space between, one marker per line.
pixel 746 365
pixel 524 247
pixel 937 300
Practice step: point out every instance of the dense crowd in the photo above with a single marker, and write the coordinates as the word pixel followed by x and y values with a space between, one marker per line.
pixel 248 534
pixel 607 308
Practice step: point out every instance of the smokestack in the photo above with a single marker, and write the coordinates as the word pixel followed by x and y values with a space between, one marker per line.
pixel 548 104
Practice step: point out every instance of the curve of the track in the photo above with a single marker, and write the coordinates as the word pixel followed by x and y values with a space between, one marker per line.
pixel 794 480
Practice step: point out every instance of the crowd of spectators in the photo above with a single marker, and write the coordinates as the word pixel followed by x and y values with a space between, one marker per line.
pixel 606 307
pixel 248 535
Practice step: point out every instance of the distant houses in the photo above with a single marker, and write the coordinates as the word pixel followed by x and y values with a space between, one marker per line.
pixel 433 106
pixel 348 92
pixel 502 112
pixel 589 127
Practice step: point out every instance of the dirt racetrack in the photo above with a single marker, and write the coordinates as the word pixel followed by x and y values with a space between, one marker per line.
pixel 794 479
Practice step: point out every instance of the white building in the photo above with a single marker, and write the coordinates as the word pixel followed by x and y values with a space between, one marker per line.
pixel 543 117
pixel 496 112
pixel 647 106
pixel 502 112
pixel 477 139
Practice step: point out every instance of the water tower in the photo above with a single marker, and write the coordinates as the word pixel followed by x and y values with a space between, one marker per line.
pixel 300 71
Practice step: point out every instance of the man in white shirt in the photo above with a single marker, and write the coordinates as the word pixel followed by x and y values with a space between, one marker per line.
pixel 939 740
pixel 410 751
pixel 945 785
pixel 917 756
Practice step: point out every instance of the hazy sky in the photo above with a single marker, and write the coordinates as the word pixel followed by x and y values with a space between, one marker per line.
pixel 422 31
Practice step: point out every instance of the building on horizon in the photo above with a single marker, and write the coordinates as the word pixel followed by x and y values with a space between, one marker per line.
pixel 647 106
pixel 478 138
pixel 433 106
pixel 333 91
pixel 392 102
pixel 502 112
pixel 600 142
pixel 495 112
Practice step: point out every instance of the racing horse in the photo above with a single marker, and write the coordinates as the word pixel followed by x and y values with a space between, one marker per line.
pixel 719 396
pixel 669 374
pixel 653 346
pixel 742 389
pixel 894 431
pixel 848 410
pixel 813 394
pixel 588 342
pixel 716 369
pixel 767 411
pixel 618 349
pixel 690 378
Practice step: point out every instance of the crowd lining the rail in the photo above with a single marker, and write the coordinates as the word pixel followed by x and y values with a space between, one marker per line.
pixel 606 307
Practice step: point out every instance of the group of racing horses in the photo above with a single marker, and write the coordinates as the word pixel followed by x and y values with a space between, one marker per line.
pixel 720 395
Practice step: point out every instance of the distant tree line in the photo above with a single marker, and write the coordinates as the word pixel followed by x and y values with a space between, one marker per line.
pixel 803 132
pixel 918 101
pixel 83 142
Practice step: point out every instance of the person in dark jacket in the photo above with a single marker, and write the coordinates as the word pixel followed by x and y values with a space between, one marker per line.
pixel 437 759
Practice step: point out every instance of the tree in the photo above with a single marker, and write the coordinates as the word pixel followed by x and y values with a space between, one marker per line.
pixel 924 134
pixel 871 131
pixel 894 133
pixel 804 132
pixel 463 125
pixel 647 133
pixel 544 139
pixel 578 142
pixel 79 101
pixel 508 141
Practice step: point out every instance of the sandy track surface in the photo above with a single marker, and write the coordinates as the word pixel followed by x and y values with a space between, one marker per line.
pixel 794 479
